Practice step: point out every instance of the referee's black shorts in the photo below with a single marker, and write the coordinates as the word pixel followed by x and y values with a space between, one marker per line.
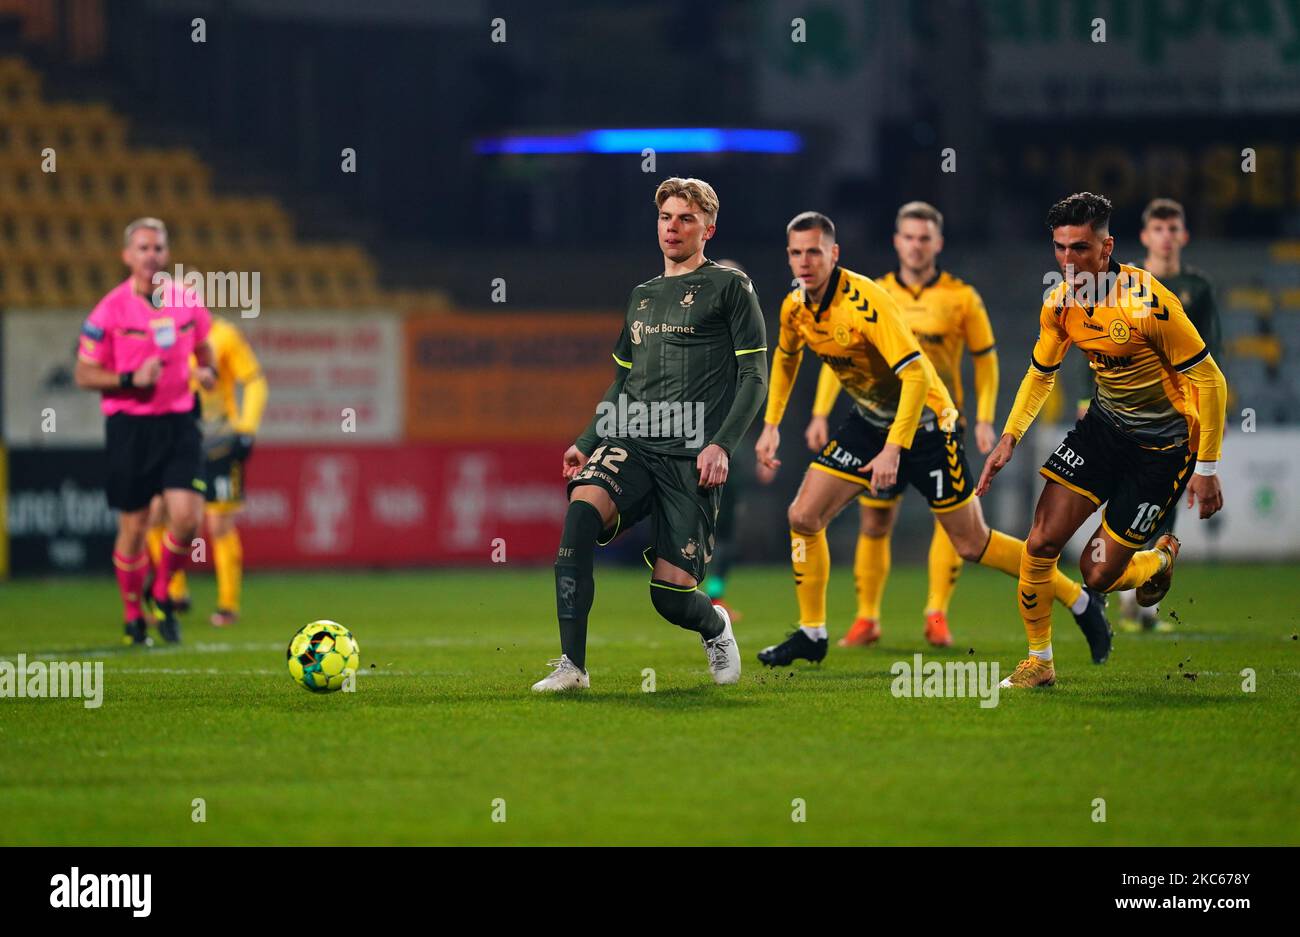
pixel 148 454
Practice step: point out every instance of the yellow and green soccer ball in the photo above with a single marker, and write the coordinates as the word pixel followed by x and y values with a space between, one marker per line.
pixel 323 655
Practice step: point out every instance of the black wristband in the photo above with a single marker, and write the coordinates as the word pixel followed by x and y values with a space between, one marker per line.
pixel 126 379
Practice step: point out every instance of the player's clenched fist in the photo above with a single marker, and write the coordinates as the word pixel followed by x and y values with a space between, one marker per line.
pixel 574 460
pixel 713 464
pixel 996 461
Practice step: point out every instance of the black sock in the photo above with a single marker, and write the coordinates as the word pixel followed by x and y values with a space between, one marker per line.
pixel 686 608
pixel 575 587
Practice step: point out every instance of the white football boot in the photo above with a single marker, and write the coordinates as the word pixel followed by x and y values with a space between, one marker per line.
pixel 722 651
pixel 565 677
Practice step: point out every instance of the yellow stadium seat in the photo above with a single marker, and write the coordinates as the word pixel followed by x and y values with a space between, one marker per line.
pixel 61 232
pixel 1250 298
pixel 1290 298
pixel 20 85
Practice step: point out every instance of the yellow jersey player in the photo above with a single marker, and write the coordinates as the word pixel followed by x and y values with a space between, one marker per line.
pixel 1154 427
pixel 902 430
pixel 229 425
pixel 946 315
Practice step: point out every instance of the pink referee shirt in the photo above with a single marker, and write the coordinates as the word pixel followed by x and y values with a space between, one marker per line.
pixel 125 329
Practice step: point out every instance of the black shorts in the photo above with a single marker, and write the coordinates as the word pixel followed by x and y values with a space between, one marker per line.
pixel 1137 485
pixel 666 488
pixel 149 454
pixel 935 465
pixel 224 473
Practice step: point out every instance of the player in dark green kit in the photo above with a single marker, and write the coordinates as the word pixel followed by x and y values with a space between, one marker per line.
pixel 1164 235
pixel 690 378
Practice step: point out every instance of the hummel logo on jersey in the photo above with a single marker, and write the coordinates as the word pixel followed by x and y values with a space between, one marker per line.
pixel 643 305
pixel 1093 326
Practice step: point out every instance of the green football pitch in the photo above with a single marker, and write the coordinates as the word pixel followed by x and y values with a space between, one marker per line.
pixel 442 742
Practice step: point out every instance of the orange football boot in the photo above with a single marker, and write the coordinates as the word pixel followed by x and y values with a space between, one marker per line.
pixel 864 631
pixel 936 629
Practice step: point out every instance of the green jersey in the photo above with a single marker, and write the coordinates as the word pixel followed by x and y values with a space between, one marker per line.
pixel 1196 294
pixel 693 363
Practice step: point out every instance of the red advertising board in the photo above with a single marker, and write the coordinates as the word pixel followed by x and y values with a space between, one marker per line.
pixel 402 505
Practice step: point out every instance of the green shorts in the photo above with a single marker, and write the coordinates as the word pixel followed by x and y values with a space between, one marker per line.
pixel 666 488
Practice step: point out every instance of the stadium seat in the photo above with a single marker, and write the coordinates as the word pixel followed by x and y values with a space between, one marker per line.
pixel 20 84
pixel 60 232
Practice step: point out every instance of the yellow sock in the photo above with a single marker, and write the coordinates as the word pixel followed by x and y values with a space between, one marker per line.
pixel 811 558
pixel 1034 598
pixel 153 540
pixel 945 567
pixel 228 558
pixel 1143 565
pixel 871 564
pixel 1003 553
pixel 179 587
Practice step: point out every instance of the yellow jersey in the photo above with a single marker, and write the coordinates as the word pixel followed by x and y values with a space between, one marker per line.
pixel 947 315
pixel 236 365
pixel 858 332
pixel 1156 380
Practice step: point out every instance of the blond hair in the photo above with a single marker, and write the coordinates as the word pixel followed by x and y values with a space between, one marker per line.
pixel 922 210
pixel 696 191
pixel 153 224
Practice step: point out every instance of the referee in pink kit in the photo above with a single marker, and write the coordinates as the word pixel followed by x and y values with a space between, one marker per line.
pixel 135 350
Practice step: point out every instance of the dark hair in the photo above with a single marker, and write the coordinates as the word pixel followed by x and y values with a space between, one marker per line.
pixel 808 220
pixel 1162 208
pixel 1081 208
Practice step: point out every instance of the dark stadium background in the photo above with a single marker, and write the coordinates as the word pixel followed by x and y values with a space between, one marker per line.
pixel 389 272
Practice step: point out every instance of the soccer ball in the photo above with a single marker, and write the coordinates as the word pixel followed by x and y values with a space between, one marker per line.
pixel 322 655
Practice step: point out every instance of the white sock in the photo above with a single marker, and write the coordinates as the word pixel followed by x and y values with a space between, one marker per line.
pixel 1044 654
pixel 816 632
pixel 1081 603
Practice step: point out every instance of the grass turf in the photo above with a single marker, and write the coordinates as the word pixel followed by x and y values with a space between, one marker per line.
pixel 442 724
